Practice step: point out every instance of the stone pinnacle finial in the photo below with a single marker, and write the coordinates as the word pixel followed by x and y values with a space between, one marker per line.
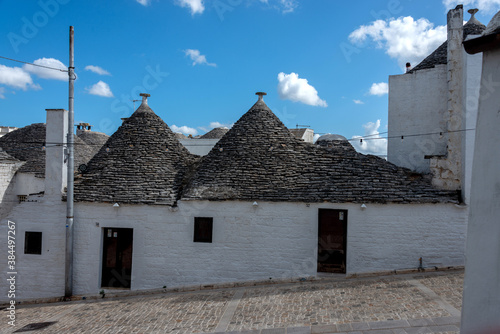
pixel 145 98
pixel 473 11
pixel 261 95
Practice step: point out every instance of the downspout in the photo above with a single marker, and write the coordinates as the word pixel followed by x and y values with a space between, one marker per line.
pixel 68 283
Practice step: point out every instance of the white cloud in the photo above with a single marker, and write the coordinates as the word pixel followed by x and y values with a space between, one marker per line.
pixel 214 125
pixel 404 38
pixel 16 77
pixel 482 5
pixel 285 6
pixel 373 143
pixel 144 2
pixel 291 87
pixel 196 6
pixel 97 70
pixel 197 58
pixel 100 89
pixel 184 129
pixel 358 101
pixel 2 92
pixel 46 73
pixel 379 89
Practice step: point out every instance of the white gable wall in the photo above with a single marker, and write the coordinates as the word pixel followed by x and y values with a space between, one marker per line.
pixel 417 105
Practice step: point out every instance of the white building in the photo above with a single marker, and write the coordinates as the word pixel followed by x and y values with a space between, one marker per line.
pixel 433 109
pixel 24 179
pixel 261 205
pixel 481 303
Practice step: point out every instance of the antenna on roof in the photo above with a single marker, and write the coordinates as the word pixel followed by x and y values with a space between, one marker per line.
pixel 134 101
pixel 304 126
pixel 261 95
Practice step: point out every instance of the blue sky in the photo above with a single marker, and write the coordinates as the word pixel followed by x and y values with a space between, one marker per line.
pixel 323 63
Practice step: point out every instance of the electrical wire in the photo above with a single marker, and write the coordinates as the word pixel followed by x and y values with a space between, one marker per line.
pixel 25 62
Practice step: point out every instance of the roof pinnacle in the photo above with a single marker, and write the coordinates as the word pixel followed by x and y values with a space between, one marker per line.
pixel 145 98
pixel 261 95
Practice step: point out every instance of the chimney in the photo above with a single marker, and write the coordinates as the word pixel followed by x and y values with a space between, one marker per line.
pixel 56 174
pixel 145 98
pixel 408 67
pixel 261 96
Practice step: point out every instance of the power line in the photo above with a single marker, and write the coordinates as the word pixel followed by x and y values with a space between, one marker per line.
pixel 412 135
pixel 25 62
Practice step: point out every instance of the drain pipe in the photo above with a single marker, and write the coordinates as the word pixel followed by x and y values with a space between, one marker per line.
pixel 68 282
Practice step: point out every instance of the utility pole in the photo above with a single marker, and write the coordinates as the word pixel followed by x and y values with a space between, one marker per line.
pixel 68 284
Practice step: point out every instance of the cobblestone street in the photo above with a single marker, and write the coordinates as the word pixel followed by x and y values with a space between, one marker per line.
pixel 409 303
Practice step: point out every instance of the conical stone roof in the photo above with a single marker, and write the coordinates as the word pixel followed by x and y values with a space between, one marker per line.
pixel 26 144
pixel 141 163
pixel 259 159
pixel 215 133
pixel 440 55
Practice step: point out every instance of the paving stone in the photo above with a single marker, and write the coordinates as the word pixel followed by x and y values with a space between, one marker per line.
pixel 379 331
pixel 421 322
pixel 323 329
pixel 418 330
pixel 360 326
pixel 274 331
pixel 446 320
pixel 389 324
pixel 344 327
pixel 444 328
pixel 298 330
pixel 325 306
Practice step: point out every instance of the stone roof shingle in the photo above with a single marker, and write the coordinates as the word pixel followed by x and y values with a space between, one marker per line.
pixel 259 159
pixel 215 133
pixel 141 163
pixel 440 55
pixel 26 144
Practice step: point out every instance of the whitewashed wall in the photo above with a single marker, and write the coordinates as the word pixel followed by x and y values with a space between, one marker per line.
pixel 273 240
pixel 8 196
pixel 417 105
pixel 472 81
pixel 38 276
pixel 481 303
pixel 199 146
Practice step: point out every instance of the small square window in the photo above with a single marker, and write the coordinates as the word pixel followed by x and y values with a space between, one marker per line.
pixel 33 242
pixel 203 227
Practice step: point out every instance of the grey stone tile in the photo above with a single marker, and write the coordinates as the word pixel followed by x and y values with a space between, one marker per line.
pixel 389 324
pixel 298 330
pixel 356 332
pixel 323 329
pixel 378 331
pixel 344 327
pixel 360 326
pixel 444 328
pixel 273 331
pixel 419 330
pixel 399 331
pixel 421 322
pixel 255 331
pixel 446 320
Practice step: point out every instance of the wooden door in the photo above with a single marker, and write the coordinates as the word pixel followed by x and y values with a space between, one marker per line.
pixel 332 240
pixel 117 257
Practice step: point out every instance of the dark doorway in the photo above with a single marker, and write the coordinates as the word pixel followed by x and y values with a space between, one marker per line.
pixel 332 240
pixel 117 258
